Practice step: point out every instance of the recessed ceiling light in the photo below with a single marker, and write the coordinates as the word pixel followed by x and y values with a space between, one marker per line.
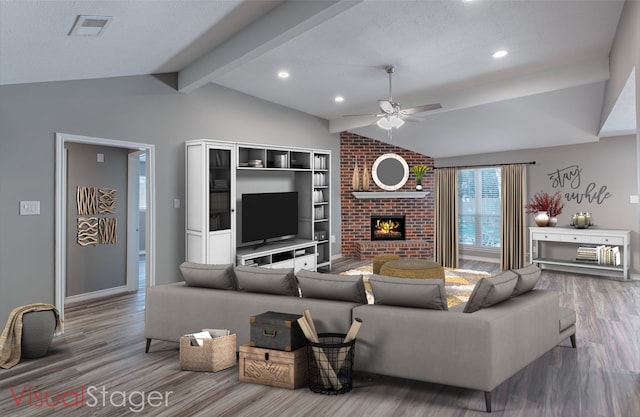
pixel 338 99
pixel 283 74
pixel 90 25
pixel 499 54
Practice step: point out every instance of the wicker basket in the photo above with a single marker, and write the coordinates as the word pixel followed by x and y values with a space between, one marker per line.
pixel 214 355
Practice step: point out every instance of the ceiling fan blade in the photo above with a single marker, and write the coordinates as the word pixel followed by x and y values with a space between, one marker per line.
pixel 411 118
pixel 362 115
pixel 421 109
pixel 347 123
pixel 386 106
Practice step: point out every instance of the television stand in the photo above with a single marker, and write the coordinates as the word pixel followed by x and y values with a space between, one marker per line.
pixel 291 253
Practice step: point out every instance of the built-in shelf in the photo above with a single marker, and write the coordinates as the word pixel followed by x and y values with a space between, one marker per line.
pixel 372 195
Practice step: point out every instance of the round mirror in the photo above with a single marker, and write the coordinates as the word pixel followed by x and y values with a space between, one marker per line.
pixel 390 171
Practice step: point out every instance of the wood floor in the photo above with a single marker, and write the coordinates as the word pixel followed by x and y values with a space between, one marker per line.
pixel 102 353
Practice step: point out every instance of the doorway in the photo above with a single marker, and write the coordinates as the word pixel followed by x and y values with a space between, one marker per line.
pixel 140 151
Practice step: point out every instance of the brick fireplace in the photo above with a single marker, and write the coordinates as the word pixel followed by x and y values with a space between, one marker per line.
pixel 357 213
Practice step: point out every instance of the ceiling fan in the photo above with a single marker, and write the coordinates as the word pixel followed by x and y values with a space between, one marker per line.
pixel 393 115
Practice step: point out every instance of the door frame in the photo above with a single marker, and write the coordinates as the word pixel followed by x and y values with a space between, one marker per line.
pixel 133 220
pixel 61 208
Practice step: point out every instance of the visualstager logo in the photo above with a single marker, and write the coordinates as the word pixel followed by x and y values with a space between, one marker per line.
pixel 89 396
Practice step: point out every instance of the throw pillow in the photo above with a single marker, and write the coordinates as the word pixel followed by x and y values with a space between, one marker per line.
pixel 266 280
pixel 527 279
pixel 218 277
pixel 332 287
pixel 408 292
pixel 491 291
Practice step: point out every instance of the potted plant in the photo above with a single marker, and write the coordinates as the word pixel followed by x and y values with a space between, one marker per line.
pixel 545 208
pixel 419 171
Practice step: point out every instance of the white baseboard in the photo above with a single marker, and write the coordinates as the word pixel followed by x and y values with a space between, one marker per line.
pixel 96 294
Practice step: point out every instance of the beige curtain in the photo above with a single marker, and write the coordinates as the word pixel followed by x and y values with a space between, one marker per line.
pixel 446 208
pixel 513 229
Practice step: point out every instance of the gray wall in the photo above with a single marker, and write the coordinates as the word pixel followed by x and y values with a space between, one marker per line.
pixel 140 109
pixel 102 266
pixel 607 177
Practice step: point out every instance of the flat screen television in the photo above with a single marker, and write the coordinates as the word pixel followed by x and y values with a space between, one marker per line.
pixel 269 215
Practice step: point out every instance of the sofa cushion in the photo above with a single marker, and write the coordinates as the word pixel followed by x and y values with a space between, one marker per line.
pixel 491 291
pixel 332 287
pixel 218 277
pixel 527 279
pixel 408 292
pixel 266 280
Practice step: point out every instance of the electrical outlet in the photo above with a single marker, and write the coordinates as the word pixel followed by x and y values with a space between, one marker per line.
pixel 333 238
pixel 29 208
pixel 176 203
pixel 633 199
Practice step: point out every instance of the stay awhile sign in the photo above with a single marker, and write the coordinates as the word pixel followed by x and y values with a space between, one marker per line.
pixel 571 177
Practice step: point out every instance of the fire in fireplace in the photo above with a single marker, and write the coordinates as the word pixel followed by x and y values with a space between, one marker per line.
pixel 387 228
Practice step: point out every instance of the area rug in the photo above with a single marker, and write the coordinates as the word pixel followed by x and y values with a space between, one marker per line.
pixel 458 282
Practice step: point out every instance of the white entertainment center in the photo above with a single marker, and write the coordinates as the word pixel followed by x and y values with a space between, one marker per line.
pixel 567 240
pixel 219 173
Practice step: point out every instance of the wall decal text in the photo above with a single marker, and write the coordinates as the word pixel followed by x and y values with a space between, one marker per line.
pixel 571 177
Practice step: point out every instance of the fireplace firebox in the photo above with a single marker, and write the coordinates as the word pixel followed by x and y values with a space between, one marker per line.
pixel 387 228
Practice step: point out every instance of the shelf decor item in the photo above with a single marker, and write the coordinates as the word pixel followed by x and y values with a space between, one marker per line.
pixel 355 181
pixel 541 218
pixel 545 208
pixel 366 181
pixel 581 220
pixel 419 171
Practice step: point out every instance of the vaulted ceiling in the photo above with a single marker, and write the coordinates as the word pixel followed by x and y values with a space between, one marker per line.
pixel 548 90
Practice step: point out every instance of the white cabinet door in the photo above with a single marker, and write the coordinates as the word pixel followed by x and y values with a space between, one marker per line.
pixel 220 248
pixel 210 202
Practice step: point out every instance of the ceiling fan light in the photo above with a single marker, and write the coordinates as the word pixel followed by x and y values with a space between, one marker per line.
pixel 396 121
pixel 384 123
pixel 389 122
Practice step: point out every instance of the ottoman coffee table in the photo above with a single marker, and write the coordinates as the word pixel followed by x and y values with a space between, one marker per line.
pixel 413 268
pixel 381 259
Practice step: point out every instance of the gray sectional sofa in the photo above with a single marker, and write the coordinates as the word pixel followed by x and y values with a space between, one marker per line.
pixel 409 331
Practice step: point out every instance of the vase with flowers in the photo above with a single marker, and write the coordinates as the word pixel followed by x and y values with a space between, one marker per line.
pixel 545 208
pixel 419 171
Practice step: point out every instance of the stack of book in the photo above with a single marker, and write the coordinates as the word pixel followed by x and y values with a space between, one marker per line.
pixel 599 254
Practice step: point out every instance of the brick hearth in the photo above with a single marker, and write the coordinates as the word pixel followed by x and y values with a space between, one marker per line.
pixel 356 213
pixel 404 248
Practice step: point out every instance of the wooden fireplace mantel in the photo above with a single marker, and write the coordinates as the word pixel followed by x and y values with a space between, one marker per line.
pixel 372 195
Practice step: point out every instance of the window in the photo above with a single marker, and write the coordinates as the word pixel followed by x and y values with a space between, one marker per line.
pixel 479 207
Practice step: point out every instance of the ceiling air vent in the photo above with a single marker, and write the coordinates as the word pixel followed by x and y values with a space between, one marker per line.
pixel 90 25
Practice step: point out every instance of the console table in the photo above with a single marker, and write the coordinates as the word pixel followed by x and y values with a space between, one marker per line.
pixel 565 237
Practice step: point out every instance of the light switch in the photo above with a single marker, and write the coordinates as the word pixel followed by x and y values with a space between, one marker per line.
pixel 176 203
pixel 633 199
pixel 29 208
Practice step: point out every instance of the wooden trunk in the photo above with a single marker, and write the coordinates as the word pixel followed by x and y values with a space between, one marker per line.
pixel 274 368
pixel 280 331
